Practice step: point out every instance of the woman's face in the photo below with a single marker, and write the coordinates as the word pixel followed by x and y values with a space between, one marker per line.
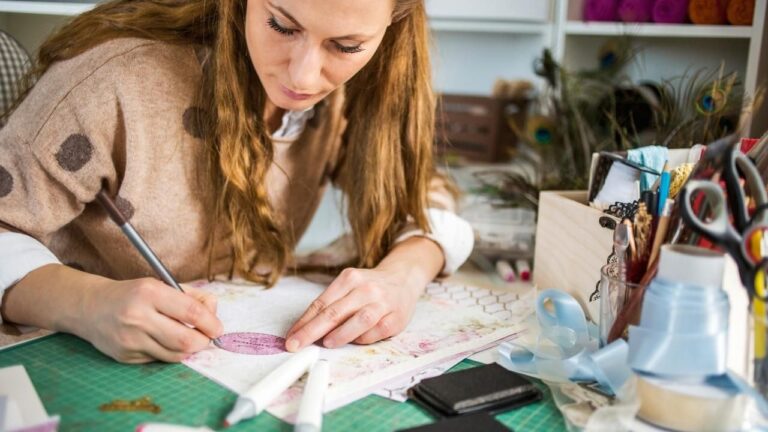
pixel 302 50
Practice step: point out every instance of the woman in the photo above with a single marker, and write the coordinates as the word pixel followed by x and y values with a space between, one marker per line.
pixel 215 126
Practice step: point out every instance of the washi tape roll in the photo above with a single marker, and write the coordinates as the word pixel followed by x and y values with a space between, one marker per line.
pixel 690 407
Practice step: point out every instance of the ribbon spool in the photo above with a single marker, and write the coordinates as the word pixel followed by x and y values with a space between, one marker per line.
pixel 690 407
pixel 679 349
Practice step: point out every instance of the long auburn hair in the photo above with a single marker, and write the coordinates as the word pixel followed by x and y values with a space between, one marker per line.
pixel 386 162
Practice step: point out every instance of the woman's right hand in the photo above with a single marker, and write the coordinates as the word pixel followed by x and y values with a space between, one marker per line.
pixel 137 321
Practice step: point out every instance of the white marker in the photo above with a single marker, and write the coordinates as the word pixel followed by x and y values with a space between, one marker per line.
pixel 505 270
pixel 310 418
pixel 523 269
pixel 258 397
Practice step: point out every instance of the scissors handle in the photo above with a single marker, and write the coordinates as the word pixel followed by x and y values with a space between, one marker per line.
pixel 718 229
pixel 737 197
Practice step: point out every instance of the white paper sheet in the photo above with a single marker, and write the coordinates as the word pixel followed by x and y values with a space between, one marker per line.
pixel 440 330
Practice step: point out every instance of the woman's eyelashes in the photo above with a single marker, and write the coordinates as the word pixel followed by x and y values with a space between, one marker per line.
pixel 348 49
pixel 272 22
pixel 274 25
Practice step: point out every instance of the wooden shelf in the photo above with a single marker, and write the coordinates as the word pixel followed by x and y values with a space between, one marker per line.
pixel 46 7
pixel 488 26
pixel 658 30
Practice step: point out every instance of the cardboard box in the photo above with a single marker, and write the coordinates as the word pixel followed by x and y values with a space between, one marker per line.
pixel 571 246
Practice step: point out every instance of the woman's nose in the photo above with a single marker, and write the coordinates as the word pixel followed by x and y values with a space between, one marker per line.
pixel 305 69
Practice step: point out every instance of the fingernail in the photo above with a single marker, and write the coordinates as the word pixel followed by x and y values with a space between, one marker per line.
pixel 329 343
pixel 292 345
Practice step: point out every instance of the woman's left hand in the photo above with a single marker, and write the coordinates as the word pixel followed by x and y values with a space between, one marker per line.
pixel 366 306
pixel 361 306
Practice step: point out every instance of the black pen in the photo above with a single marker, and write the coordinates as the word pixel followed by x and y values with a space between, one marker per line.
pixel 117 216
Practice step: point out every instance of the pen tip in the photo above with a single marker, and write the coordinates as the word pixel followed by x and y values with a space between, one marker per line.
pixel 225 424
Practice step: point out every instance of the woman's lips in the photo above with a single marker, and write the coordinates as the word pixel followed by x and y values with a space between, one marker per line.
pixel 295 96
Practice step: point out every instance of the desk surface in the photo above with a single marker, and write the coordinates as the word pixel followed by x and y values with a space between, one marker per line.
pixel 73 379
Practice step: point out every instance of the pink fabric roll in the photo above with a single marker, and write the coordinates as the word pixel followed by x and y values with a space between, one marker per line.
pixel 635 10
pixel 670 11
pixel 601 10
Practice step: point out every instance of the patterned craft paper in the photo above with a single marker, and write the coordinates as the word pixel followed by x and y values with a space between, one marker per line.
pixel 511 306
pixel 440 330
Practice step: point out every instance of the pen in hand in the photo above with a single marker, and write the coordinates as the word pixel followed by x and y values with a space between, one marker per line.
pixel 117 216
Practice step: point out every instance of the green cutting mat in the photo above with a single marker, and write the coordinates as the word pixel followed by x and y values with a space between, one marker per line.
pixel 73 379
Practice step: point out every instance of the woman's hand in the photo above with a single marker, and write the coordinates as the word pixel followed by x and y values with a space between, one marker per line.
pixel 134 321
pixel 363 306
pixel 366 306
pixel 138 321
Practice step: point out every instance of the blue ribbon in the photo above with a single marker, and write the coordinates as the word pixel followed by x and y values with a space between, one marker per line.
pixel 683 331
pixel 683 335
pixel 566 349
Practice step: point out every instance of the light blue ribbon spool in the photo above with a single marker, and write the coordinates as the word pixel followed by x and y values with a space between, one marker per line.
pixel 566 349
pixel 683 336
pixel 683 331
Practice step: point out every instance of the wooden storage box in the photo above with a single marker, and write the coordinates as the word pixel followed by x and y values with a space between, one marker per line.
pixel 572 244
pixel 477 127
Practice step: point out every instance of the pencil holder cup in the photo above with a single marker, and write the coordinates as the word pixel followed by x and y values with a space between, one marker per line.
pixel 614 292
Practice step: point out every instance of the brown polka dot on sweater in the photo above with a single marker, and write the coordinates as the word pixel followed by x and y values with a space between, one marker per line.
pixel 6 182
pixel 125 207
pixel 75 152
pixel 193 121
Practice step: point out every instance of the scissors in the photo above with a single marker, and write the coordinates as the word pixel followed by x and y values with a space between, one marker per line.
pixel 730 225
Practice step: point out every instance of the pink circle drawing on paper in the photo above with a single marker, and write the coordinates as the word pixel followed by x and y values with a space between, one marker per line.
pixel 251 343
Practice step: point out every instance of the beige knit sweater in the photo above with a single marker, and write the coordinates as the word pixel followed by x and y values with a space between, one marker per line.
pixel 123 113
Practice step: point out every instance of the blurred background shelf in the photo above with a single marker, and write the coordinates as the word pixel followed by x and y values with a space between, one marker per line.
pixel 666 51
pixel 488 26
pixel 659 30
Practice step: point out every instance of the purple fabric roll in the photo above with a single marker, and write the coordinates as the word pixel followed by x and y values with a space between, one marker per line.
pixel 601 10
pixel 635 10
pixel 670 11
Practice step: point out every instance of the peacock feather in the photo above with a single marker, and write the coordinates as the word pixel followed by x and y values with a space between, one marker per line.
pixel 711 101
pixel 541 130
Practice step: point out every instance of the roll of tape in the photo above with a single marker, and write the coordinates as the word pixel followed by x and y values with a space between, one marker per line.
pixel 689 407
